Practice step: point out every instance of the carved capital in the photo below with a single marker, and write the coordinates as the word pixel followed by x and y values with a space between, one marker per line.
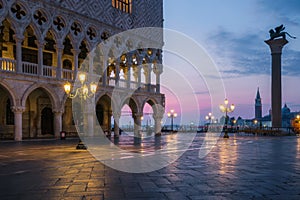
pixel 276 45
pixel 18 38
pixel 18 109
pixel 57 112
pixel 76 51
pixel 137 115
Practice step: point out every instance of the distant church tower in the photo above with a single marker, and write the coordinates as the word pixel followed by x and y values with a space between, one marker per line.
pixel 258 106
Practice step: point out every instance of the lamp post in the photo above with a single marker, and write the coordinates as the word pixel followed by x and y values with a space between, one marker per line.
pixel 83 91
pixel 172 114
pixel 209 117
pixel 255 123
pixel 226 109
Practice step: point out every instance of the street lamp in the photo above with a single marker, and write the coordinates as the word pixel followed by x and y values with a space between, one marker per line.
pixel 255 122
pixel 83 91
pixel 209 117
pixel 172 114
pixel 226 109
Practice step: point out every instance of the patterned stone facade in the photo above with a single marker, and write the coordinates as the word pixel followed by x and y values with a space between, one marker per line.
pixel 45 43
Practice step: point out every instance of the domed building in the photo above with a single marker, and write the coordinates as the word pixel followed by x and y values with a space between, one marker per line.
pixel 286 116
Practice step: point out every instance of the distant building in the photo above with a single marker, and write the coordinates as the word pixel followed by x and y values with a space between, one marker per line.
pixel 266 121
pixel 258 106
pixel 286 115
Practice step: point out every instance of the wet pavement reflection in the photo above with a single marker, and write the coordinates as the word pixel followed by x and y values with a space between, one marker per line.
pixel 241 167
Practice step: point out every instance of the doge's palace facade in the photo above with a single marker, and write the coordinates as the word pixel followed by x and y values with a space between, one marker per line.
pixel 43 45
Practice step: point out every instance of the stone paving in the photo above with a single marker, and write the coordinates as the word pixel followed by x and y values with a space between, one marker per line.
pixel 241 167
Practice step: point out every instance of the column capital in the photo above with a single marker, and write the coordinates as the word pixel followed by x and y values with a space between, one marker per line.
pixel 276 45
pixel 57 111
pixel 157 68
pixel 18 38
pixel 75 51
pixel 18 109
pixel 137 115
pixel 59 46
pixel 40 43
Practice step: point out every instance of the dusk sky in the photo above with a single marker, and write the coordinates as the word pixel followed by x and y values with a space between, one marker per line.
pixel 233 32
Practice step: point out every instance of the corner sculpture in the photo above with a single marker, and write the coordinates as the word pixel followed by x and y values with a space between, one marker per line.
pixel 279 33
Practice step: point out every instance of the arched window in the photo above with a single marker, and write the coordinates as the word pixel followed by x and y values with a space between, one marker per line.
pixel 67 64
pixel 10 118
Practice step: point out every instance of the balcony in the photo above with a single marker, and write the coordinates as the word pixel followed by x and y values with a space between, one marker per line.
pixel 32 69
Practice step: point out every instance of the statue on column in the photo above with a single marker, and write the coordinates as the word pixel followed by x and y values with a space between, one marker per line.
pixel 278 32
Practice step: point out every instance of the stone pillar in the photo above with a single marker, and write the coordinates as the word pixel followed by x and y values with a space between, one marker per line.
pixel 129 68
pixel 19 40
pixel 137 124
pixel 147 73
pixel 276 51
pixel 139 76
pixel 117 75
pixel 40 45
pixel 116 125
pixel 90 121
pixel 18 111
pixel 75 53
pixel 59 51
pixel 157 125
pixel 90 108
pixel 57 123
pixel 109 114
pixel 105 72
pixel 91 61
pixel 157 68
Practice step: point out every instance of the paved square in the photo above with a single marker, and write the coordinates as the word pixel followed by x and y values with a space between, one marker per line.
pixel 241 167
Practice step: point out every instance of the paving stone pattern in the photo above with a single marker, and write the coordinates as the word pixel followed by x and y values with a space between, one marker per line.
pixel 241 167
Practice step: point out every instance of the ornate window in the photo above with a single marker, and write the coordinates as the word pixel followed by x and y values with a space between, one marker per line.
pixel 10 118
pixel 123 5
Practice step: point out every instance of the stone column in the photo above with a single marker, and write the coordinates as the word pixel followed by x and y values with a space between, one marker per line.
pixel 157 124
pixel 105 72
pixel 18 111
pixel 40 45
pixel 129 68
pixel 117 75
pixel 57 123
pixel 75 53
pixel 116 125
pixel 276 51
pixel 139 76
pixel 147 73
pixel 19 40
pixel 137 124
pixel 90 108
pixel 59 51
pixel 90 121
pixel 109 114
pixel 157 68
pixel 91 61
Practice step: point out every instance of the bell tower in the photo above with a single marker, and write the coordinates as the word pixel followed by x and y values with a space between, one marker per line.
pixel 258 106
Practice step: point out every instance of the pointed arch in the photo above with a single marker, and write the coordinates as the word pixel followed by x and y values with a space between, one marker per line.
pixel 54 98
pixel 152 102
pixel 9 90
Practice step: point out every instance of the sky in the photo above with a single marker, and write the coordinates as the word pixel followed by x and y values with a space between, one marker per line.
pixel 233 32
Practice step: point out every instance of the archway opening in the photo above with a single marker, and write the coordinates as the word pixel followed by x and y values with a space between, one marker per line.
pixel 38 120
pixel 7 117
pixel 147 121
pixel 104 114
pixel 47 121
